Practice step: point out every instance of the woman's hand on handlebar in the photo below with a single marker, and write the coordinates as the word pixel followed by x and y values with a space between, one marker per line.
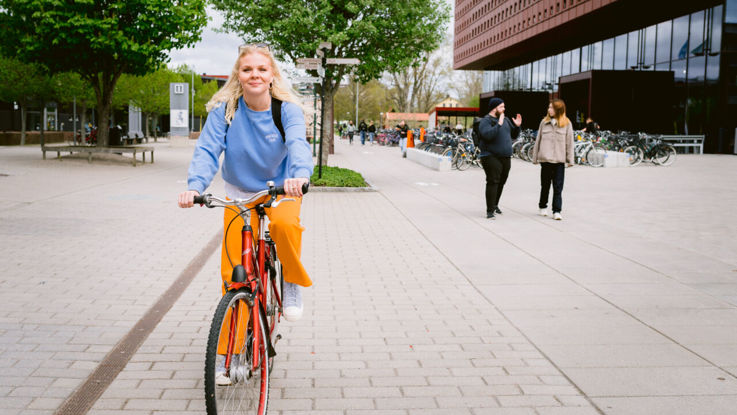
pixel 293 187
pixel 186 199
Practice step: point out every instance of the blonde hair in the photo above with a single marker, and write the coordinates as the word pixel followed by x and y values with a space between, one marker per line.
pixel 232 90
pixel 559 108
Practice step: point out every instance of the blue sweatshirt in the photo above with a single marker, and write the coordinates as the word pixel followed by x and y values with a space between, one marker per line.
pixel 254 150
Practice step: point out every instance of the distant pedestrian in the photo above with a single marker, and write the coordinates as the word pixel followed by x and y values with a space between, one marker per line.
pixel 371 132
pixel 402 128
pixel 340 130
pixel 362 130
pixel 496 133
pixel 554 151
pixel 350 130
pixel 591 127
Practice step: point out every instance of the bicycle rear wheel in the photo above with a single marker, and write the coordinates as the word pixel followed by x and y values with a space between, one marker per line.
pixel 241 389
pixel 664 155
pixel 595 156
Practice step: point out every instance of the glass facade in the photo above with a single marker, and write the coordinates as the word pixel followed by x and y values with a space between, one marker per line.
pixel 688 45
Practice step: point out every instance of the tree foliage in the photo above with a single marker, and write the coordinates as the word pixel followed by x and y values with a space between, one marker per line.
pixel 99 39
pixel 373 99
pixel 25 84
pixel 383 34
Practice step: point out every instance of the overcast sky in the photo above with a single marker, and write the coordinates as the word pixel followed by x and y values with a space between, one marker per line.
pixel 215 54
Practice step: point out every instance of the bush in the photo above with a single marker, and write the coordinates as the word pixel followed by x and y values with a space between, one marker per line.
pixel 337 177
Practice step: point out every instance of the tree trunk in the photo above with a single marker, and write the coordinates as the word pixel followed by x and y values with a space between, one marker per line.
pixel 145 134
pixel 22 123
pixel 326 124
pixel 104 93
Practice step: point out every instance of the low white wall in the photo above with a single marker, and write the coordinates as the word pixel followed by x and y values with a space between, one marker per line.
pixel 429 160
pixel 616 159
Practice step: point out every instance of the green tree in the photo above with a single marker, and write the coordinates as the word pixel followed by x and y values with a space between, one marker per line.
pixel 99 40
pixel 373 99
pixel 202 96
pixel 152 94
pixel 23 83
pixel 383 34
pixel 70 87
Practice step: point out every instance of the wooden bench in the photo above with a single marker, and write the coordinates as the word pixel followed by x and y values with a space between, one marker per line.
pixel 687 141
pixel 94 149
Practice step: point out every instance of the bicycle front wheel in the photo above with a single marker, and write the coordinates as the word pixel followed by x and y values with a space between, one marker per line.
pixel 634 154
pixel 464 161
pixel 236 363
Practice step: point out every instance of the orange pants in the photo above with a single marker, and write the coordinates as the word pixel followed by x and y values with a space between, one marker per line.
pixel 286 232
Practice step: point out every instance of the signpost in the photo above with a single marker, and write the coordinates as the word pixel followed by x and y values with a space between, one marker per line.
pixel 318 64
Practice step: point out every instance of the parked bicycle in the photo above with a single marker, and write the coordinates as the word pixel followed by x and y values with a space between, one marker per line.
pixel 240 346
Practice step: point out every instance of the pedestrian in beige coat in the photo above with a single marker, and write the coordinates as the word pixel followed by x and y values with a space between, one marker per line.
pixel 554 151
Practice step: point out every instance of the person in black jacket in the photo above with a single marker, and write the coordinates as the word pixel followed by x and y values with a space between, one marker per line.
pixel 496 133
pixel 371 132
pixel 362 129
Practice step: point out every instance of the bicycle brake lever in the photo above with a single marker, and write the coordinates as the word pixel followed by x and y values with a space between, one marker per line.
pixel 286 199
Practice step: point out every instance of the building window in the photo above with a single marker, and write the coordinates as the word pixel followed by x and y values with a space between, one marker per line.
pixel 620 52
pixel 697 44
pixel 608 54
pixel 680 38
pixel 649 55
pixel 633 50
pixel 662 53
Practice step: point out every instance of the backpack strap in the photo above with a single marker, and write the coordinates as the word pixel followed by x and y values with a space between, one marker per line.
pixel 276 116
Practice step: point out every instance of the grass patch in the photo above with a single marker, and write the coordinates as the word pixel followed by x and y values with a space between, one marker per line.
pixel 337 177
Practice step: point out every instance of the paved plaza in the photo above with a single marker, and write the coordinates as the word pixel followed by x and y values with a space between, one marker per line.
pixel 420 304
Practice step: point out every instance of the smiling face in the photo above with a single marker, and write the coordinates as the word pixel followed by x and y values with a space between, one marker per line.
pixel 255 74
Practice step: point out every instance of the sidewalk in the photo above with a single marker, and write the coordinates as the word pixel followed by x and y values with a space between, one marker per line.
pixel 420 304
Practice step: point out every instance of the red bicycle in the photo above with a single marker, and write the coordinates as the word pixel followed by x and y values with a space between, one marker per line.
pixel 240 346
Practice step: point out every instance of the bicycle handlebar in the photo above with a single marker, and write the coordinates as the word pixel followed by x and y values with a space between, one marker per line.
pixel 207 199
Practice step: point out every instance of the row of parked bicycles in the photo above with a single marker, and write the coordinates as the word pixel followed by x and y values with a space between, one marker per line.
pixel 591 149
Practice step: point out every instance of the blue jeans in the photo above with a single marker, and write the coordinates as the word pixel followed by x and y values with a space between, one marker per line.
pixel 371 137
pixel 363 137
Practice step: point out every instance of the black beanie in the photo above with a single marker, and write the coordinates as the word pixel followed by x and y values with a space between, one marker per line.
pixel 495 102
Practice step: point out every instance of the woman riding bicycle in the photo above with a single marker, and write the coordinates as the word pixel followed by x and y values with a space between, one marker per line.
pixel 240 124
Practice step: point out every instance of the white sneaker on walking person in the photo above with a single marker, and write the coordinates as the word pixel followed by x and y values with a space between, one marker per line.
pixel 543 212
pixel 292 301
pixel 557 216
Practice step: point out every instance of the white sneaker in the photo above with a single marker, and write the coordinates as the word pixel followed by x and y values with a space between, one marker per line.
pixel 557 216
pixel 292 301
pixel 543 212
pixel 221 379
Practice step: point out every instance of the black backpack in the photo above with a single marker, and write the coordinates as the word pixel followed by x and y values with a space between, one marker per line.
pixel 475 134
